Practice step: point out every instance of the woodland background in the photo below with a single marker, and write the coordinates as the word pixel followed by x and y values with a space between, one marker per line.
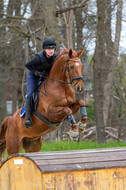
pixel 95 25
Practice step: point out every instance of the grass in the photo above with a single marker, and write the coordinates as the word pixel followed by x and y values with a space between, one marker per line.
pixel 72 145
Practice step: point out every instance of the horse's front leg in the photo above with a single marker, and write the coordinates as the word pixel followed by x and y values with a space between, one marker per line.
pixel 75 107
pixel 80 105
pixel 58 114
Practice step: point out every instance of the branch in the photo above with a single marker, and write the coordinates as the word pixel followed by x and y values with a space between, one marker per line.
pixel 118 28
pixel 20 30
pixel 111 135
pixel 82 4
pixel 89 134
pixel 19 17
pixel 17 28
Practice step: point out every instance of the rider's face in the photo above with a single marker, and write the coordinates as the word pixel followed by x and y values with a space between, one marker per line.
pixel 49 52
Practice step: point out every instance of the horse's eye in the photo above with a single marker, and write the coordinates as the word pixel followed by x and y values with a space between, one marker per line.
pixel 71 67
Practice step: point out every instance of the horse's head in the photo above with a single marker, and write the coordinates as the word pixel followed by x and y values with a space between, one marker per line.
pixel 73 69
pixel 67 68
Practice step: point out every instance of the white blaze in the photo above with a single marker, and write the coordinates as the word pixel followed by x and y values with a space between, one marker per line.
pixel 77 64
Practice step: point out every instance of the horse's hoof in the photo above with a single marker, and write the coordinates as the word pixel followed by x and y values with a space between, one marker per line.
pixel 74 127
pixel 81 125
pixel 73 134
pixel 74 138
pixel 84 119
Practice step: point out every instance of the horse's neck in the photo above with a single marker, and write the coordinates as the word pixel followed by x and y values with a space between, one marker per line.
pixel 57 71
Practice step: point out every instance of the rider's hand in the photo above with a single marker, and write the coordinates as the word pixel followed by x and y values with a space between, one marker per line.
pixel 38 74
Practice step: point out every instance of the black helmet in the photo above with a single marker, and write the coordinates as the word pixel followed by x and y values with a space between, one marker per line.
pixel 49 44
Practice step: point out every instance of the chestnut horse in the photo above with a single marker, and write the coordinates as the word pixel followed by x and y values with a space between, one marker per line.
pixel 56 102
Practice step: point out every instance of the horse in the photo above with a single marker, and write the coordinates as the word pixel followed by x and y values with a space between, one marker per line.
pixel 56 102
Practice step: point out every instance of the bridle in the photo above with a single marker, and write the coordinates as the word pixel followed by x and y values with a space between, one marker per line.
pixel 67 68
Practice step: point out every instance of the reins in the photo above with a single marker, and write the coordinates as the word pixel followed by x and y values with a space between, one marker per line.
pixel 60 80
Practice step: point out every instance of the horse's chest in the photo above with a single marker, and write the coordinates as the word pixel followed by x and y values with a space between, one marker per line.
pixel 65 99
pixel 70 101
pixel 70 97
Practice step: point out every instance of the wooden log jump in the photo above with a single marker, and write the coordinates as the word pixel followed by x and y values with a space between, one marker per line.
pixel 97 169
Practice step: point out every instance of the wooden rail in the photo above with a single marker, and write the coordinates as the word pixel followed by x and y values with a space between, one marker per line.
pixel 97 169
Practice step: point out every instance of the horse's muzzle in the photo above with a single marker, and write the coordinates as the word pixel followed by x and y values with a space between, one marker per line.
pixel 79 86
pixel 78 83
pixel 79 89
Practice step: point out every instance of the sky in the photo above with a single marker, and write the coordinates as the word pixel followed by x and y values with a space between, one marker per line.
pixel 123 38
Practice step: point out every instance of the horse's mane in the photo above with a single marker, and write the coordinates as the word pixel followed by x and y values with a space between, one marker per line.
pixel 64 51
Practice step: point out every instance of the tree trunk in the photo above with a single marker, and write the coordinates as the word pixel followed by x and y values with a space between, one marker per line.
pixel 105 58
pixel 51 21
pixel 15 57
pixel 112 56
pixel 99 57
pixel 68 18
pixel 79 27
pixel 3 68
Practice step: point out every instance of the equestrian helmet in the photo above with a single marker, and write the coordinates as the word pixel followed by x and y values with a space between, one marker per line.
pixel 49 43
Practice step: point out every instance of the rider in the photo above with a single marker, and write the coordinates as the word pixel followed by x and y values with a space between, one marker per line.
pixel 39 67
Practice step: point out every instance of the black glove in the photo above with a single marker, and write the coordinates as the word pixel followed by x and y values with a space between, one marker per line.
pixel 42 75
pixel 38 74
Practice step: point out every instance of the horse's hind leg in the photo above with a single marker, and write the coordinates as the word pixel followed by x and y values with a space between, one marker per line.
pixel 13 142
pixel 3 129
pixel 30 145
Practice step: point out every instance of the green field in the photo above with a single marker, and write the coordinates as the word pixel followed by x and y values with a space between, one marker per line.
pixel 72 145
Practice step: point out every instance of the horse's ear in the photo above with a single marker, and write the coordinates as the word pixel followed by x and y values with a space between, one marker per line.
pixel 70 52
pixel 79 54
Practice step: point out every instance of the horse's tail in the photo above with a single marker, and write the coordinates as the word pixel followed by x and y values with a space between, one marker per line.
pixel 3 129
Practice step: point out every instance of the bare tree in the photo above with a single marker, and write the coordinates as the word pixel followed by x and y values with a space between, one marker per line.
pixel 3 67
pixel 17 35
pixel 105 59
pixel 69 9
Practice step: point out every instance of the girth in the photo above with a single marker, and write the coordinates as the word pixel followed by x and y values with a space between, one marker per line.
pixel 45 120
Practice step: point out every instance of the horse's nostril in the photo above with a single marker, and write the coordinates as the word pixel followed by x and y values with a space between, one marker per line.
pixel 79 88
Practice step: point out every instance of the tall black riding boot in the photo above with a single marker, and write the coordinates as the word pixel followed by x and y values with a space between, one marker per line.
pixel 28 120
